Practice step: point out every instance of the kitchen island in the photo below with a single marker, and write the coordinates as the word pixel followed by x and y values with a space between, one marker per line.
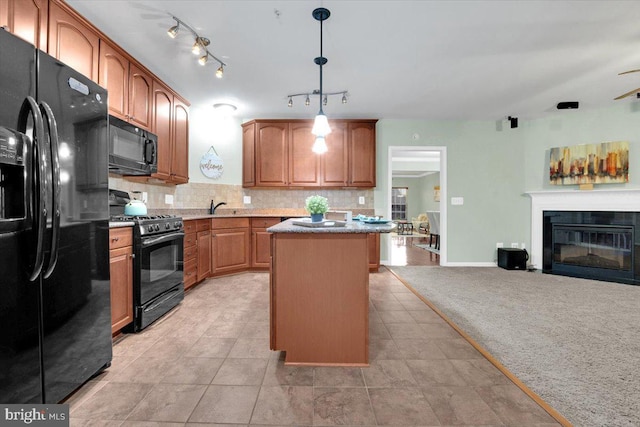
pixel 319 293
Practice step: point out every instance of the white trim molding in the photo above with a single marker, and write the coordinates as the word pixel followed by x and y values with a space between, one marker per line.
pixel 624 200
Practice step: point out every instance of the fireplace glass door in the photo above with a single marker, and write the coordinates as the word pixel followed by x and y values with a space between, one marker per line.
pixel 592 246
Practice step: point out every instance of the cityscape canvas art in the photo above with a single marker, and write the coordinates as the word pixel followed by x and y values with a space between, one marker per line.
pixel 603 163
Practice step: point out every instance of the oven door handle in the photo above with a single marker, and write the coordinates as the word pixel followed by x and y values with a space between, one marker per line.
pixel 161 239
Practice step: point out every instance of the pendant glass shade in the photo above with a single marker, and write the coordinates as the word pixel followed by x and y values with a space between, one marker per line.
pixel 320 146
pixel 321 125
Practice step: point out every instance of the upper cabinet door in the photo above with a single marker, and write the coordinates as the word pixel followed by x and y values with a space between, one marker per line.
pixel 162 110
pixel 140 94
pixel 73 42
pixel 180 157
pixel 304 164
pixel 271 154
pixel 248 154
pixel 114 76
pixel 334 163
pixel 26 19
pixel 362 153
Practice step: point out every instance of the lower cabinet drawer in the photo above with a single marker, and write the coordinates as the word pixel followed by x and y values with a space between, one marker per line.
pixel 190 253
pixel 189 239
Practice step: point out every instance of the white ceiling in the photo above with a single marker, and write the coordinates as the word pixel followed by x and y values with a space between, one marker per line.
pixel 465 60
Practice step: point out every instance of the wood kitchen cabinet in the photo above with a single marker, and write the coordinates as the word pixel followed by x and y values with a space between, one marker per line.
pixel 121 271
pixel 361 137
pixel 190 254
pixel 73 40
pixel 203 241
pixel 171 125
pixel 260 242
pixel 248 155
pixel 129 86
pixel 277 153
pixel 230 245
pixel 271 148
pixel 304 164
pixel 26 19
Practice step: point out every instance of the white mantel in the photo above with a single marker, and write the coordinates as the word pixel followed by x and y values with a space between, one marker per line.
pixel 627 200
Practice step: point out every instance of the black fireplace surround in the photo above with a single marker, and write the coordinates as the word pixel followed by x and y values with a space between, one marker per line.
pixel 601 245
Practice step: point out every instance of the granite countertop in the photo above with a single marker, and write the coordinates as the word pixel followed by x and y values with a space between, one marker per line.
pixel 352 227
pixel 191 214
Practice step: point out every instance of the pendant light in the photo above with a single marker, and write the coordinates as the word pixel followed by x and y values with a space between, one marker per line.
pixel 321 126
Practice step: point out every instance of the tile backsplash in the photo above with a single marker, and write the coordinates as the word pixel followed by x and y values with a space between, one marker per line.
pixel 199 196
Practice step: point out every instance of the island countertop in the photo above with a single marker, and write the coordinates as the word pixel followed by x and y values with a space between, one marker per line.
pixel 288 226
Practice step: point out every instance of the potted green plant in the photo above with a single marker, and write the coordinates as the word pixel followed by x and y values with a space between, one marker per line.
pixel 316 206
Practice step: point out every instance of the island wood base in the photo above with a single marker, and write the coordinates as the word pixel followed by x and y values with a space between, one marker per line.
pixel 319 307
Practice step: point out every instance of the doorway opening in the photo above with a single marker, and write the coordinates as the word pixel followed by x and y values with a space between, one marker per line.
pixel 422 169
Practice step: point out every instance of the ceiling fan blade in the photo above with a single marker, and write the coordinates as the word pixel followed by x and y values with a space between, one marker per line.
pixel 628 72
pixel 624 95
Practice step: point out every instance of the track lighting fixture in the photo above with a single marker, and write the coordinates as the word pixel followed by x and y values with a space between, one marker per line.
pixel 316 92
pixel 199 47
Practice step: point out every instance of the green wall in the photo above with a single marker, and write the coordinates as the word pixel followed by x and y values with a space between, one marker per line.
pixel 493 166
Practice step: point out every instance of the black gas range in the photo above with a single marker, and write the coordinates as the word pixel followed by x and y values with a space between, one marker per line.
pixel 158 245
pixel 147 225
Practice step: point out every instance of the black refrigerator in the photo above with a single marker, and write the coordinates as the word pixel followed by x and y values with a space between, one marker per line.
pixel 55 315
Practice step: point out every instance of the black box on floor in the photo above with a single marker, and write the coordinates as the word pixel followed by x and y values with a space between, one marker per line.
pixel 512 258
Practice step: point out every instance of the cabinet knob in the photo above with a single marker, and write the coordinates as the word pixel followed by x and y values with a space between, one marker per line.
pixel 133 256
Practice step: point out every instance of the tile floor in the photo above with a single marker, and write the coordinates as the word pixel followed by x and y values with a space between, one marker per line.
pixel 208 363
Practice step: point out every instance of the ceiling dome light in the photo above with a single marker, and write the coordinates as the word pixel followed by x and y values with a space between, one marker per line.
pixel 220 71
pixel 224 108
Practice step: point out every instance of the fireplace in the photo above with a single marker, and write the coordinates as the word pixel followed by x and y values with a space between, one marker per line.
pixel 600 245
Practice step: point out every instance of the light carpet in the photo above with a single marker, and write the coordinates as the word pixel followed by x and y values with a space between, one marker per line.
pixel 574 342
pixel 426 247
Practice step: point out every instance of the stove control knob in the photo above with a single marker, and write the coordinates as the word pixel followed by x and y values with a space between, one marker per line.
pixel 167 226
pixel 177 224
pixel 157 227
pixel 150 228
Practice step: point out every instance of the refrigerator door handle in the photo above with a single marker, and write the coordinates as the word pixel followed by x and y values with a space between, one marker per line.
pixel 29 106
pixel 55 183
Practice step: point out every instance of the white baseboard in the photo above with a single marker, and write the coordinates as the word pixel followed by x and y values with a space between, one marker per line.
pixel 469 264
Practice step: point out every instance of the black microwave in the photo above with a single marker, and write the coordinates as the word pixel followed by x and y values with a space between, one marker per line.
pixel 132 151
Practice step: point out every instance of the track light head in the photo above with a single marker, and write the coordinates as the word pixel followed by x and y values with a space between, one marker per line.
pixel 325 101
pixel 220 71
pixel 344 98
pixel 307 101
pixel 290 103
pixel 173 31
pixel 203 59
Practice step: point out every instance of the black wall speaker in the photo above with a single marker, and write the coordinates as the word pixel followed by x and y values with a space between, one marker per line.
pixel 513 121
pixel 571 105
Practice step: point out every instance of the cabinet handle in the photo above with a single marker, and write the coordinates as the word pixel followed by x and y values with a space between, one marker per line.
pixel 133 256
pixel 115 239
